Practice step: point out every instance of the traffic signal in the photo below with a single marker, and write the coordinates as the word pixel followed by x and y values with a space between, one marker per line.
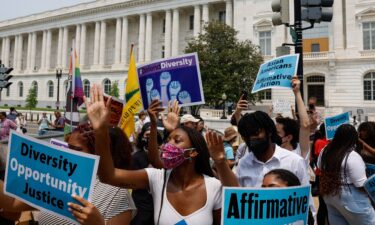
pixel 4 76
pixel 281 12
pixel 317 10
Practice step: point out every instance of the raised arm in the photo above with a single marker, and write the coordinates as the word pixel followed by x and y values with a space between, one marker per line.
pixel 153 152
pixel 10 204
pixel 216 149
pixel 98 112
pixel 304 131
pixel 242 104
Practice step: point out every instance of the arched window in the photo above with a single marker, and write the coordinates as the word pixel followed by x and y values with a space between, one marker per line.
pixel 86 88
pixel 20 89
pixel 34 84
pixel 50 89
pixel 107 86
pixel 369 86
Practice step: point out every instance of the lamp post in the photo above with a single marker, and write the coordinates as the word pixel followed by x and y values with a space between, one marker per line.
pixel 224 97
pixel 58 77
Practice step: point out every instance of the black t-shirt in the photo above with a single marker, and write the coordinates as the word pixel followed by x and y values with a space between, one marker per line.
pixel 142 198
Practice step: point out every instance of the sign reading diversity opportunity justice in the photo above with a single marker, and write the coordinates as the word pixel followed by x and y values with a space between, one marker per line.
pixel 265 206
pixel 332 123
pixel 176 78
pixel 276 73
pixel 46 176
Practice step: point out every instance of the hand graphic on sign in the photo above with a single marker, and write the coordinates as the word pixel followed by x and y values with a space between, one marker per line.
pixel 155 95
pixel 184 97
pixel 174 88
pixel 149 86
pixel 165 79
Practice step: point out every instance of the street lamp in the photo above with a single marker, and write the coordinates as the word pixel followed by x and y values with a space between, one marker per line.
pixel 224 97
pixel 58 77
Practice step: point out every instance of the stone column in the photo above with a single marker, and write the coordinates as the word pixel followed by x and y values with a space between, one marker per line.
pixel 124 40
pixel 44 44
pixel 337 24
pixel 229 13
pixel 175 32
pixel 48 49
pixel 78 39
pixel 168 33
pixel 2 48
pixel 19 52
pixel 15 51
pixel 6 51
pixel 148 51
pixel 197 20
pixel 118 41
pixel 205 15
pixel 96 43
pixel 82 53
pixel 28 56
pixel 103 32
pixel 59 47
pixel 33 51
pixel 64 51
pixel 141 39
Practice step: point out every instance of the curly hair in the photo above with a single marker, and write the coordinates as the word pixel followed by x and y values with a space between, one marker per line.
pixel 334 156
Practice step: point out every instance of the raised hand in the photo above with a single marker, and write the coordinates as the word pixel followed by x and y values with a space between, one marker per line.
pixel 98 110
pixel 215 147
pixel 153 110
pixel 172 120
pixel 296 84
pixel 87 213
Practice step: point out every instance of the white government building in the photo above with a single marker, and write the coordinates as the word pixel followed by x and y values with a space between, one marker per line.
pixel 339 56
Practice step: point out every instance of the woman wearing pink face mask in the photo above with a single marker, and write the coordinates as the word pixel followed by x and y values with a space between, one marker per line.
pixel 183 193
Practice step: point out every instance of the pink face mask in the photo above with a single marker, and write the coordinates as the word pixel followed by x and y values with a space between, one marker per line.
pixel 173 156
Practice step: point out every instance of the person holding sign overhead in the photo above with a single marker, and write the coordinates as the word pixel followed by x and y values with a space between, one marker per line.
pixel 342 178
pixel 185 192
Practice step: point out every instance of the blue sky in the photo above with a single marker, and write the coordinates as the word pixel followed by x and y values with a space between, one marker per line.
pixel 17 8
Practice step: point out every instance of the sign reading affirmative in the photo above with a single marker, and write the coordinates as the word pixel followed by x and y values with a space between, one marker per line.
pixel 276 73
pixel 265 206
pixel 46 176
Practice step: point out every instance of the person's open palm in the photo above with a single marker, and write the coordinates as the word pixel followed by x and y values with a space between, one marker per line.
pixel 153 110
pixel 172 120
pixel 98 110
pixel 215 146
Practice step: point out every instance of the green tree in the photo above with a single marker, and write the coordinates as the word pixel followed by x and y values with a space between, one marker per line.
pixel 31 100
pixel 227 64
pixel 115 92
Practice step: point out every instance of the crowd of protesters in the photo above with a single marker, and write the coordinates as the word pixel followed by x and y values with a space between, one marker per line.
pixel 176 166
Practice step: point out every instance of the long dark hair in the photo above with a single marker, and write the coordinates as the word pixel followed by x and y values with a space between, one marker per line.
pixel 121 148
pixel 251 123
pixel 202 163
pixel 369 128
pixel 333 156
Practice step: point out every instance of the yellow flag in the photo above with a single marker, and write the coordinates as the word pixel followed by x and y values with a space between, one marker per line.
pixel 133 99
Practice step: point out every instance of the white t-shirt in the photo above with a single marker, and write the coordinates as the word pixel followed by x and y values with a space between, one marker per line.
pixel 250 170
pixel 169 216
pixel 355 171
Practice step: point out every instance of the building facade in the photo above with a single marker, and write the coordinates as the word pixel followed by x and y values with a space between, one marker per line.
pixel 339 56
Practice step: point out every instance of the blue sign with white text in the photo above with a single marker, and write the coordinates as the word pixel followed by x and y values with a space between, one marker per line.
pixel 332 123
pixel 169 79
pixel 46 176
pixel 265 206
pixel 370 187
pixel 276 73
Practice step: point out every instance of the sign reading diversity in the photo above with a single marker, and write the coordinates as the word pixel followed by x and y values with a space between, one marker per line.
pixel 265 206
pixel 332 123
pixel 370 187
pixel 46 176
pixel 276 73
pixel 176 78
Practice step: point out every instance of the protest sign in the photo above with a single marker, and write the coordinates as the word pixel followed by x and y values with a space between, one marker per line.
pixel 116 109
pixel 370 187
pixel 276 73
pixel 58 143
pixel 46 176
pixel 173 78
pixel 265 206
pixel 332 123
pixel 370 169
pixel 282 106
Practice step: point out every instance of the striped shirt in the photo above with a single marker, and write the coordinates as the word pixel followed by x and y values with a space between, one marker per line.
pixel 109 200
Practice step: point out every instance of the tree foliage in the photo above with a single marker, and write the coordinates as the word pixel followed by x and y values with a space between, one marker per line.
pixel 115 92
pixel 227 64
pixel 31 99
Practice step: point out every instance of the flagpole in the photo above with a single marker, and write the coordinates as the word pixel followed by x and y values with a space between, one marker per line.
pixel 71 85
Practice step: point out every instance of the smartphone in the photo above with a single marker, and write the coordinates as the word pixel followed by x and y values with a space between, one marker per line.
pixel 244 95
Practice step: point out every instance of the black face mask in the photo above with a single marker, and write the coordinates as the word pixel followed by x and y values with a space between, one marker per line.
pixel 258 147
pixel 144 143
